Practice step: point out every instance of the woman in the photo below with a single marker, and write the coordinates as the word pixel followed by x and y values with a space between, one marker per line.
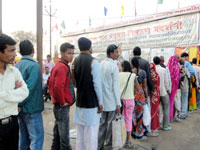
pixel 174 70
pixel 128 83
pixel 155 99
pixel 140 99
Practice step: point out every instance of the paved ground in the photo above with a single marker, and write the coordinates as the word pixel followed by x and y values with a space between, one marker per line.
pixel 185 135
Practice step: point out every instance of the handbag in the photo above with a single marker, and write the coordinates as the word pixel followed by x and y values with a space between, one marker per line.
pixel 118 132
pixel 146 115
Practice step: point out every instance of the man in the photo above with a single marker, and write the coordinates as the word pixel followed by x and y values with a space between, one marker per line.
pixel 197 75
pixel 46 75
pixel 188 65
pixel 49 63
pixel 144 65
pixel 89 97
pixel 111 95
pixel 30 117
pixel 164 91
pixel 62 90
pixel 12 91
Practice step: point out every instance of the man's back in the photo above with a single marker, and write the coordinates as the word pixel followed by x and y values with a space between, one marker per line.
pixel 110 84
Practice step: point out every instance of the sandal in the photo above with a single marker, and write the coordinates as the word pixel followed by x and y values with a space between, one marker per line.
pixel 130 145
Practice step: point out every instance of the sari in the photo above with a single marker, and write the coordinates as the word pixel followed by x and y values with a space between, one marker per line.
pixel 155 98
pixel 174 70
pixel 192 101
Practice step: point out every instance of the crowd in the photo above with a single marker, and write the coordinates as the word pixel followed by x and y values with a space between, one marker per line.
pixel 103 90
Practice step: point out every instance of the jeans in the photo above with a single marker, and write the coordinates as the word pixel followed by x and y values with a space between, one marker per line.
pixel 31 131
pixel 184 104
pixel 165 107
pixel 61 139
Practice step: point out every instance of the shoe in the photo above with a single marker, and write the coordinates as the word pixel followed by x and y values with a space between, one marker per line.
pixel 167 128
pixel 152 134
pixel 177 120
pixel 130 145
pixel 142 138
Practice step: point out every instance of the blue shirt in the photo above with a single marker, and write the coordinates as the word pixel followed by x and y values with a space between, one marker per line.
pixel 31 74
pixel 89 116
pixel 190 68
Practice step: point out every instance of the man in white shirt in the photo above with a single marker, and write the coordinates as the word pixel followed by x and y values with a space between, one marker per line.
pixel 45 76
pixel 111 95
pixel 49 63
pixel 12 91
pixel 164 90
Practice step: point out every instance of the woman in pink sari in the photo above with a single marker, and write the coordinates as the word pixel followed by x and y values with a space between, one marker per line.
pixel 174 70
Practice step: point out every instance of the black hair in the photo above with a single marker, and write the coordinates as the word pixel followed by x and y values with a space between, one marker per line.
pixel 65 46
pixel 49 56
pixel 5 40
pixel 135 63
pixel 156 60
pixel 25 47
pixel 184 54
pixel 194 60
pixel 136 51
pixel 126 66
pixel 111 48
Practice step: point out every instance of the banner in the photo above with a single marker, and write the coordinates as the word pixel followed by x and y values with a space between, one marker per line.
pixel 169 32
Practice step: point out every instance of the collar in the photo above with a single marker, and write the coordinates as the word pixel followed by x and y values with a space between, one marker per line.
pixel 28 58
pixel 62 60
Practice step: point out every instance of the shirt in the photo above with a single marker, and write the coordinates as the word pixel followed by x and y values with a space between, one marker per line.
pixel 9 96
pixel 45 78
pixel 190 68
pixel 197 75
pixel 50 65
pixel 90 117
pixel 164 83
pixel 110 84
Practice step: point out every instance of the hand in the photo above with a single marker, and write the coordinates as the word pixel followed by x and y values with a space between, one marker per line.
pixel 19 109
pixel 118 109
pixel 100 108
pixel 66 104
pixel 18 84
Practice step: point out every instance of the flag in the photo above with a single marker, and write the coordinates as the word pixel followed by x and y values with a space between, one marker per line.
pixel 56 26
pixel 89 21
pixel 122 10
pixel 105 11
pixel 135 9
pixel 63 24
pixel 160 2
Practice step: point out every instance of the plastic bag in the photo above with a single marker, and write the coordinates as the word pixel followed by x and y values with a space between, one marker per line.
pixel 118 132
pixel 146 115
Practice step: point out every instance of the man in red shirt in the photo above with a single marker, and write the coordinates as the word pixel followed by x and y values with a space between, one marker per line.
pixel 62 90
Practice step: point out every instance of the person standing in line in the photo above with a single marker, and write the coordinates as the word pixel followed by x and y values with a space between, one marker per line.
pixel 128 84
pixel 31 130
pixel 13 90
pixel 140 100
pixel 45 76
pixel 86 73
pixel 164 90
pixel 49 63
pixel 111 95
pixel 174 70
pixel 62 90
pixel 144 65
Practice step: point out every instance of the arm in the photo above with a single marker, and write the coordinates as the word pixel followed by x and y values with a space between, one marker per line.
pixel 166 82
pixel 144 86
pixel 169 79
pixel 149 79
pixel 16 94
pixel 97 83
pixel 136 85
pixel 190 69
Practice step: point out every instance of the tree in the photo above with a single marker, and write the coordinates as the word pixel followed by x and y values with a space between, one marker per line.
pixel 22 35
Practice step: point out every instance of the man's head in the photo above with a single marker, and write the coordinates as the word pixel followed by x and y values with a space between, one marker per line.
pixel 112 52
pixel 26 48
pixel 185 56
pixel 194 61
pixel 67 52
pixel 7 49
pixel 156 60
pixel 162 59
pixel 136 51
pixel 182 61
pixel 48 58
pixel 85 44
pixel 46 70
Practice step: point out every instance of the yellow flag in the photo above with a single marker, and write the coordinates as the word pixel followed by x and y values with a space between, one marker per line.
pixel 122 10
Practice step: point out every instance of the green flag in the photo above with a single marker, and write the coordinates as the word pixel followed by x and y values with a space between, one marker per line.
pixel 160 1
pixel 63 24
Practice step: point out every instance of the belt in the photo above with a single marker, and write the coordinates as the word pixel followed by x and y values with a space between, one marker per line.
pixel 6 120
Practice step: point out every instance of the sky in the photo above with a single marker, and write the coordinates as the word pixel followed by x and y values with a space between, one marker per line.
pixel 21 14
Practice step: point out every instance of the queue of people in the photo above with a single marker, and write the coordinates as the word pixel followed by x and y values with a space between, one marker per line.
pixel 103 90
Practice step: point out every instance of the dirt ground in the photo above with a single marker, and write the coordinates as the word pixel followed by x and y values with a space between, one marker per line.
pixel 184 135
